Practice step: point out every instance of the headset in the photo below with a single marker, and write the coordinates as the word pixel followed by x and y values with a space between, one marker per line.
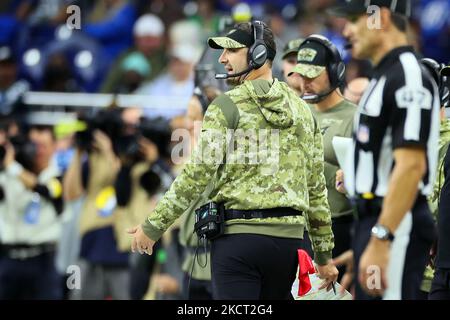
pixel 336 67
pixel 434 68
pixel 257 53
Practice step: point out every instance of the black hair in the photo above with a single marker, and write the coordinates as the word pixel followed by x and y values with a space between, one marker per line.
pixel 43 127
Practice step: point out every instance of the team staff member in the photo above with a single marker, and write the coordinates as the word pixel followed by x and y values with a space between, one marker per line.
pixel 440 286
pixel 395 154
pixel 289 60
pixel 256 258
pixel 295 82
pixel 444 140
pixel 322 71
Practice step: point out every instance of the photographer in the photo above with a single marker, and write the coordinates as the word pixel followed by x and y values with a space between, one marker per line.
pixel 92 179
pixel 142 148
pixel 30 205
pixel 118 187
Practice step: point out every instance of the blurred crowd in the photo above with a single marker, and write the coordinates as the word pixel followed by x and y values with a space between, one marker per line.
pixel 121 46
pixel 81 181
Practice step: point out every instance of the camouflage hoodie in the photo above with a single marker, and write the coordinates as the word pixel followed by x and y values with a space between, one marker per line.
pixel 433 198
pixel 444 140
pixel 288 173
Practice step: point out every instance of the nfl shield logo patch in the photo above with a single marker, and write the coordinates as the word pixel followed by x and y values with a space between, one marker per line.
pixel 363 134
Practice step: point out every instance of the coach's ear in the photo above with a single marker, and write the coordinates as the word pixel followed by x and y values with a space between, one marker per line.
pixel 386 19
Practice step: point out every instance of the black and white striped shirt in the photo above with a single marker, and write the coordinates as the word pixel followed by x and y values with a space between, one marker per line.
pixel 400 108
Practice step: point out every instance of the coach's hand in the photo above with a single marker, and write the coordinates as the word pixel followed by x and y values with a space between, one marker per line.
pixel 328 273
pixel 141 242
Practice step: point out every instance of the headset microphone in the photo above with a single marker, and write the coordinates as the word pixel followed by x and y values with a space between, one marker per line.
pixel 314 98
pixel 257 53
pixel 226 75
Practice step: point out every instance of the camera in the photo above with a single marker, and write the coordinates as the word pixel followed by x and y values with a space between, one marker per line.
pixel 25 150
pixel 108 121
pixel 127 146
pixel 157 130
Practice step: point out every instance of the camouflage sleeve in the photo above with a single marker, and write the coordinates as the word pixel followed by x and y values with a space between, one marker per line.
pixel 433 198
pixel 194 177
pixel 319 216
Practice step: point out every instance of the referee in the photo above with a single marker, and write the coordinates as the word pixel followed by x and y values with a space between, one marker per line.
pixel 395 144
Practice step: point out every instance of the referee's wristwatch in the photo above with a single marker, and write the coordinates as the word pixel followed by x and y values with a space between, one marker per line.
pixel 381 232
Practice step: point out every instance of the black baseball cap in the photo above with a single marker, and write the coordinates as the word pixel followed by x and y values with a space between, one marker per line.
pixel 236 39
pixel 312 59
pixel 354 7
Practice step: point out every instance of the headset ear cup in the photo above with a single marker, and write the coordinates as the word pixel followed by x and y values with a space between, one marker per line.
pixel 250 55
pixel 259 55
pixel 336 74
pixel 331 70
pixel 340 73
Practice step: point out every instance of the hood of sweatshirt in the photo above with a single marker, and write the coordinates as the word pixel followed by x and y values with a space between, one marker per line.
pixel 273 101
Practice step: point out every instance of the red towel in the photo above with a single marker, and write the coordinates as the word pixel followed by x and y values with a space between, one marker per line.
pixel 306 267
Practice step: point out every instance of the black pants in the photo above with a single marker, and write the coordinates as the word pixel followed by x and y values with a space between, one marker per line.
pixel 440 287
pixel 196 289
pixel 342 238
pixel 408 264
pixel 253 267
pixel 30 279
pixel 307 245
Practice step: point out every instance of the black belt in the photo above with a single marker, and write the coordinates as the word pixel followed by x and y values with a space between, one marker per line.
pixel 26 251
pixel 366 207
pixel 231 214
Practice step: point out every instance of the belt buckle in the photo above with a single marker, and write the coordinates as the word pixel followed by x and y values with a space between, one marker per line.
pixel 368 196
pixel 23 254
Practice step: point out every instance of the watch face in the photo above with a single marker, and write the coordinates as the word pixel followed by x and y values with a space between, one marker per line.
pixel 379 232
